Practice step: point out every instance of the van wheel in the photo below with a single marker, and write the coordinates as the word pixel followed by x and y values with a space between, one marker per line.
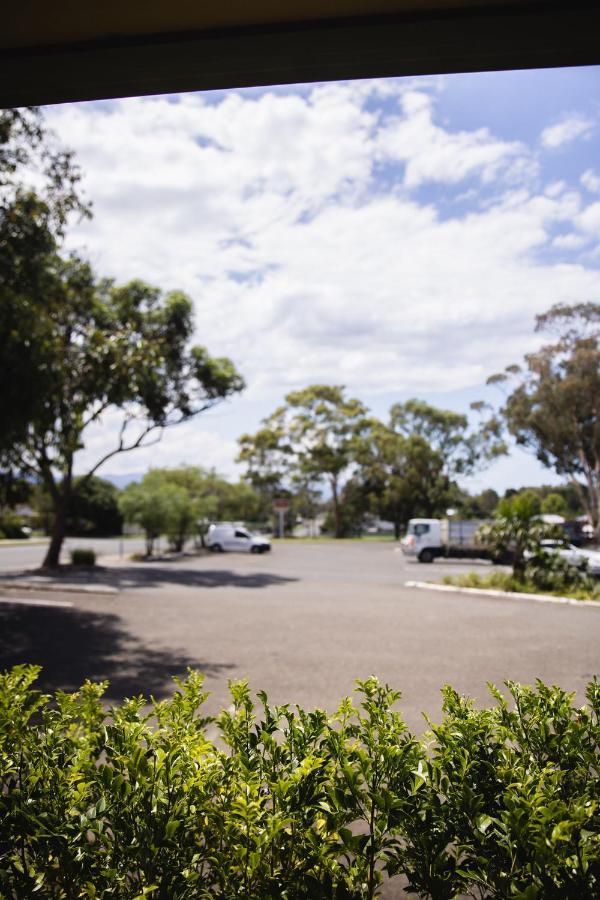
pixel 426 556
pixel 216 548
pixel 254 549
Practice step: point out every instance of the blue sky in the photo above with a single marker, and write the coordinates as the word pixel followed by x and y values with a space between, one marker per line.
pixel 397 236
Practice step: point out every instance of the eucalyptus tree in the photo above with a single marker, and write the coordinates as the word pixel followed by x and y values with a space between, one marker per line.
pixel 310 440
pixel 403 475
pixel 110 349
pixel 552 402
pixel 463 448
pixel 76 348
pixel 39 195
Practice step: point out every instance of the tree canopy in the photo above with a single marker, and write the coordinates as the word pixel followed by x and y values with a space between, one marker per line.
pixel 75 345
pixel 310 439
pixel 553 402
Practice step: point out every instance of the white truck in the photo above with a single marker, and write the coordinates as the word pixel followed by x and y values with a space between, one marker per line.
pixel 429 538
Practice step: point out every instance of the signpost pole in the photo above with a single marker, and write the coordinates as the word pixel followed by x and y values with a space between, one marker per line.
pixel 280 506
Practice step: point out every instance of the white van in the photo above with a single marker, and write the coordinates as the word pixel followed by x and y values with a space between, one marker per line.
pixel 227 536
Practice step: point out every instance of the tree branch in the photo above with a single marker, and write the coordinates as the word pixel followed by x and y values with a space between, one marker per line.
pixel 122 448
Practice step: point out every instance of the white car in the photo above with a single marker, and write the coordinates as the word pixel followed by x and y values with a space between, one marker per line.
pixel 576 556
pixel 235 537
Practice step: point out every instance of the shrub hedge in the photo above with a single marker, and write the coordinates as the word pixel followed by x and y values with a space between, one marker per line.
pixel 82 556
pixel 139 801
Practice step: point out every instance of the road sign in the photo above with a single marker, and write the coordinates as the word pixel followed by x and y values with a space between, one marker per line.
pixel 280 505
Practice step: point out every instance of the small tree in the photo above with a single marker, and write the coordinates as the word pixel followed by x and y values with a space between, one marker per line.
pixel 155 508
pixel 516 532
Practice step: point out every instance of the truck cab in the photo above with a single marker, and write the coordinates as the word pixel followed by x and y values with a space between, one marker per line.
pixel 423 540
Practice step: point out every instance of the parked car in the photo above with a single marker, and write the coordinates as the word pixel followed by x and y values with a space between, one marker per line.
pixel 576 556
pixel 223 537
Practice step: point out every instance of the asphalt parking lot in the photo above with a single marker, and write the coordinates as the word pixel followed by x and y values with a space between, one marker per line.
pixel 302 623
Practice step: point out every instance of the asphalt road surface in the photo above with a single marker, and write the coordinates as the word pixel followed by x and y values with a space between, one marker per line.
pixel 30 553
pixel 302 623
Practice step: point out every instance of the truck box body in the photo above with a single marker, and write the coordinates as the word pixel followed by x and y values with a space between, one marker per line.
pixel 459 532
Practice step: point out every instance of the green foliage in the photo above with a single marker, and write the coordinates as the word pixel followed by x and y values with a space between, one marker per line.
pixel 12 526
pixel 32 228
pixel 180 503
pixel 554 504
pixel 552 407
pixel 478 506
pixel 311 439
pixel 461 449
pixel 553 576
pixel 137 801
pixel 404 475
pixel 74 345
pixel 93 508
pixel 81 556
pixel 516 533
pixel 548 571
pixel 158 508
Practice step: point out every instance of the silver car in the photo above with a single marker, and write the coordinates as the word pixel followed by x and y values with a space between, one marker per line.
pixel 576 556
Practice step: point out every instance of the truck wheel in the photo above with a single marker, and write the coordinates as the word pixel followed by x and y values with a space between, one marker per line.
pixel 426 556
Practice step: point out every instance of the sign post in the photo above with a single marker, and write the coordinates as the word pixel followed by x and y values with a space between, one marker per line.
pixel 281 506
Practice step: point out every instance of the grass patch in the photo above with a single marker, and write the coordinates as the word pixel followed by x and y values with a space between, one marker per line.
pixel 504 581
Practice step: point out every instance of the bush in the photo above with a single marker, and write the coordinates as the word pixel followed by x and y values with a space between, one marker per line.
pixel 83 557
pixel 498 802
pixel 13 527
pixel 550 571
pixel 545 573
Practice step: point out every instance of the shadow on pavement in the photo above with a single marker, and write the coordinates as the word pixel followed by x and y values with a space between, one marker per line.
pixel 151 575
pixel 74 644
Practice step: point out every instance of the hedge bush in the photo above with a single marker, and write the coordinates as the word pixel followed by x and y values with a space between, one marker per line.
pixel 139 801
pixel 82 556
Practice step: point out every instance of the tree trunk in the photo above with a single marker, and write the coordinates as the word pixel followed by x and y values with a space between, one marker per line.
pixel 397 529
pixel 57 535
pixel 594 506
pixel 337 519
pixel 519 566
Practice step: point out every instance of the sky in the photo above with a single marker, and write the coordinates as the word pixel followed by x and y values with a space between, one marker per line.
pixel 396 236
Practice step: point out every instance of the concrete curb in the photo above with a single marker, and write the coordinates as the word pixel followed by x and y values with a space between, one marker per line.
pixel 504 595
pixel 58 588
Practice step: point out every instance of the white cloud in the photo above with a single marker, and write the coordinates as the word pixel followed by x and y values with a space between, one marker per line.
pixel 304 262
pixel 569 241
pixel 591 181
pixel 589 219
pixel 434 154
pixel 566 130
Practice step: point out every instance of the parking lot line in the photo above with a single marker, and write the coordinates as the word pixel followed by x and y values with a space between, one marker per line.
pixel 19 601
